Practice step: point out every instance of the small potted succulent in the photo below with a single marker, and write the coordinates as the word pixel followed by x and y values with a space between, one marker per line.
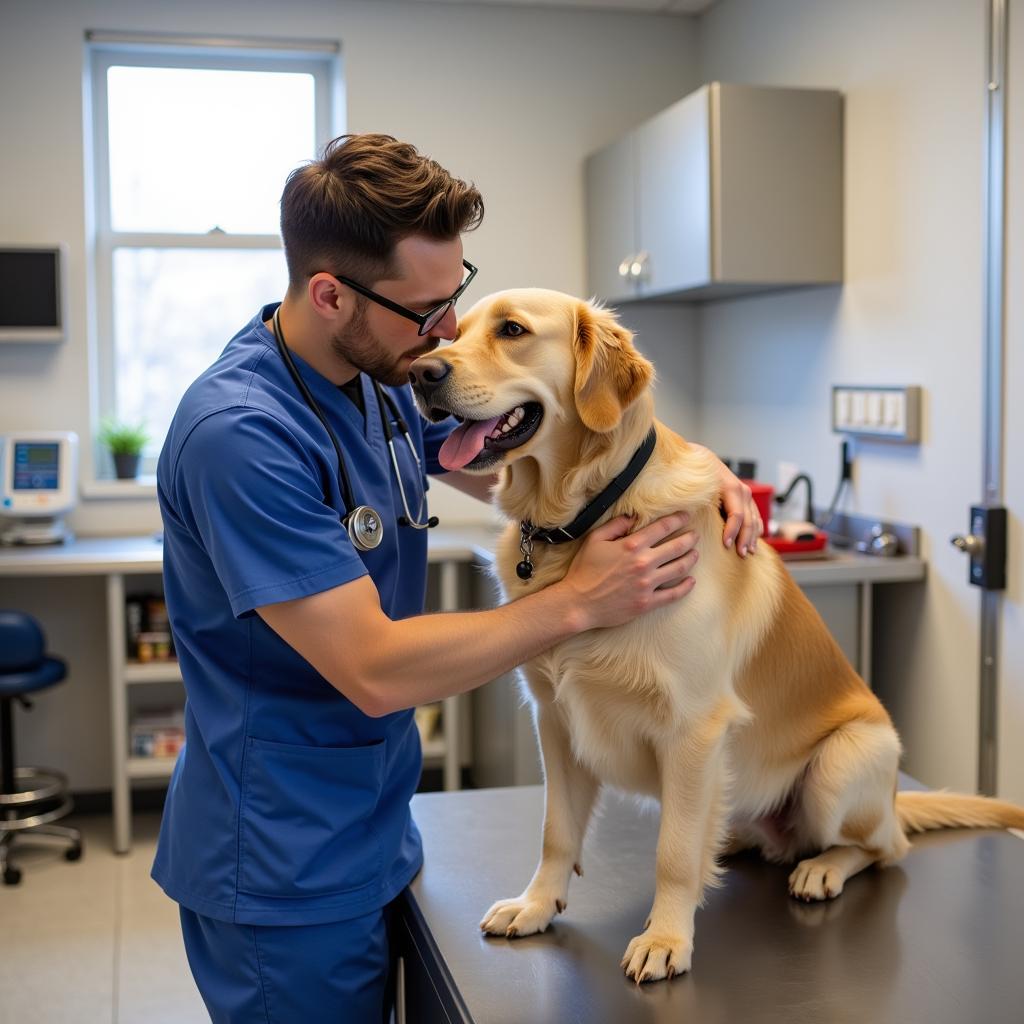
pixel 125 442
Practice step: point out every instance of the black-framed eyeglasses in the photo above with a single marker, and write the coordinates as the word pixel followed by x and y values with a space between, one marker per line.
pixel 427 321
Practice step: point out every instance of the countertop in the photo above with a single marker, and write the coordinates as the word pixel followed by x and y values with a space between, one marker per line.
pixel 140 554
pixel 936 939
pixel 839 567
pixel 87 556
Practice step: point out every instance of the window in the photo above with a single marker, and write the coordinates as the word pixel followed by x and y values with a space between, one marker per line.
pixel 191 147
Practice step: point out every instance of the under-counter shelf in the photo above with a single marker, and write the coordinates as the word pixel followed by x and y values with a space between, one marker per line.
pixel 152 672
pixel 149 767
pixel 434 750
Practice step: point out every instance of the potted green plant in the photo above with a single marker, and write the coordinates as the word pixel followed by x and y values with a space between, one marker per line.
pixel 125 442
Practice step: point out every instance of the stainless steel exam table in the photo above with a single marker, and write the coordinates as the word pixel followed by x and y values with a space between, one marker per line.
pixel 937 939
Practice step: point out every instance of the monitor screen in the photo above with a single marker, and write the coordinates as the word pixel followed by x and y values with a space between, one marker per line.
pixel 36 466
pixel 30 288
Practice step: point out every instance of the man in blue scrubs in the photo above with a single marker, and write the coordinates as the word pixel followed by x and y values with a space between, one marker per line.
pixel 287 830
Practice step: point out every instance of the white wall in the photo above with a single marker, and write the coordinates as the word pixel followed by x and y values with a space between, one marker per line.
pixel 910 311
pixel 512 99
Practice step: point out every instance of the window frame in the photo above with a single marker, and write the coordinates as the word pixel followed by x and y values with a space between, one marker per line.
pixel 322 61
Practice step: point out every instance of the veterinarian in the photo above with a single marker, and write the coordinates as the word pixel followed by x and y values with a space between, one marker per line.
pixel 287 831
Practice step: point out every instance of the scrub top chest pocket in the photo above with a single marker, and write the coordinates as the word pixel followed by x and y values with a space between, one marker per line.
pixel 306 819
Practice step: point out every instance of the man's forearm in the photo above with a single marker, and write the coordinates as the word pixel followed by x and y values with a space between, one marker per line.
pixel 428 657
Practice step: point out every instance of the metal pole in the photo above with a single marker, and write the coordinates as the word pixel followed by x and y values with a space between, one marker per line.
pixel 992 481
pixel 120 790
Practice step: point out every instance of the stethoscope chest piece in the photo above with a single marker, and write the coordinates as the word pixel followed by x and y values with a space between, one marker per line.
pixel 365 528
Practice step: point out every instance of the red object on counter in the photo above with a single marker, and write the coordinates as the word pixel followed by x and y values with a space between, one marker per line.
pixel 798 547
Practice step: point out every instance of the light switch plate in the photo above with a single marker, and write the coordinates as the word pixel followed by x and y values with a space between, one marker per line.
pixel 883 413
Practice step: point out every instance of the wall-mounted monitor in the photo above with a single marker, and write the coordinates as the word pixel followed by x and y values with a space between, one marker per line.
pixel 32 292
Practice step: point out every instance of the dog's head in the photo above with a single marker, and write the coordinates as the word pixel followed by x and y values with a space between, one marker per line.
pixel 528 368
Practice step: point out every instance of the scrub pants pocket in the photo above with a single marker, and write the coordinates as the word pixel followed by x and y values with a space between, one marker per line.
pixel 306 819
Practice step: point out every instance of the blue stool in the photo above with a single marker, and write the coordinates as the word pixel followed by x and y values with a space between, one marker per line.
pixel 24 667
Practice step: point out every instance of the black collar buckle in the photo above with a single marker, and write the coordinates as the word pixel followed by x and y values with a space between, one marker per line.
pixel 528 533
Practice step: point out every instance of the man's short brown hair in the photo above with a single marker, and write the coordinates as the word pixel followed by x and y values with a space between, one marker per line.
pixel 346 212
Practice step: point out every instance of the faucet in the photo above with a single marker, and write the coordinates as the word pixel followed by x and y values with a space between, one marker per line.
pixel 781 499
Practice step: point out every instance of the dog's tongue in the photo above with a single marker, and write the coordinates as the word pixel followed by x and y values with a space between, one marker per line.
pixel 465 443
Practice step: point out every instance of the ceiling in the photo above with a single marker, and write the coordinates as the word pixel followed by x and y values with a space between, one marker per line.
pixel 635 6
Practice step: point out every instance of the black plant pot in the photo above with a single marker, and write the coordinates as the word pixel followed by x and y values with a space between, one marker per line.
pixel 126 466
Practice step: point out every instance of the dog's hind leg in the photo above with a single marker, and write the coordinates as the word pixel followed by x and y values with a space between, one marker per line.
pixel 823 877
pixel 569 793
pixel 847 809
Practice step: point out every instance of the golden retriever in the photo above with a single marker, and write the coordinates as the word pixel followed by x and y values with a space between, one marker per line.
pixel 734 707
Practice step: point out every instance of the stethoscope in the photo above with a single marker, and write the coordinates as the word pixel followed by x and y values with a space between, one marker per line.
pixel 364 523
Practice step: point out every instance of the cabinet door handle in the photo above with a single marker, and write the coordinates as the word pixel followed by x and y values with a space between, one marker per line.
pixel 638 267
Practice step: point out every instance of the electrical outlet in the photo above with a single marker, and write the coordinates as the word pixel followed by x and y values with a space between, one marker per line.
pixel 883 413
pixel 784 473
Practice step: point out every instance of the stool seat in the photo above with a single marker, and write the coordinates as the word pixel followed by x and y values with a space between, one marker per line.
pixel 48 672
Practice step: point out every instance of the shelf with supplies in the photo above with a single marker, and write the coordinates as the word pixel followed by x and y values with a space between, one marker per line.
pixel 146 739
pixel 147 628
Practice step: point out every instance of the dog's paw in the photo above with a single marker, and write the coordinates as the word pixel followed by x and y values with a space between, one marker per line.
pixel 656 955
pixel 523 915
pixel 812 881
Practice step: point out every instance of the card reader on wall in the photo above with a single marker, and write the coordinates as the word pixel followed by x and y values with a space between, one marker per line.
pixel 38 485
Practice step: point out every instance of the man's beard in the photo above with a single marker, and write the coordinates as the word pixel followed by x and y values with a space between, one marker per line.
pixel 359 348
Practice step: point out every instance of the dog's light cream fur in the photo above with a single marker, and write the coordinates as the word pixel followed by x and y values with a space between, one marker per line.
pixel 734 707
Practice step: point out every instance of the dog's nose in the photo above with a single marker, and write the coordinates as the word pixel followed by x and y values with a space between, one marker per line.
pixel 427 375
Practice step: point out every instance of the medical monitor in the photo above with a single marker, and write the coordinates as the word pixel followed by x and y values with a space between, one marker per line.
pixel 32 293
pixel 38 484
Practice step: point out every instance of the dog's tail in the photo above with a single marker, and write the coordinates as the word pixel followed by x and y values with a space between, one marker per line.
pixel 921 812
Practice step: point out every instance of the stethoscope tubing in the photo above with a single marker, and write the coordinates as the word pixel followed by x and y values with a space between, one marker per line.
pixel 383 398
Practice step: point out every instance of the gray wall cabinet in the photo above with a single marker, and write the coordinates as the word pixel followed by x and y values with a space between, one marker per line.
pixel 734 189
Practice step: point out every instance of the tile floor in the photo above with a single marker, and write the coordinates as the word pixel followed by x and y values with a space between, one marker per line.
pixel 93 941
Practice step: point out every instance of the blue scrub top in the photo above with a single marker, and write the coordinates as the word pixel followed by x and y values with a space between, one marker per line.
pixel 288 805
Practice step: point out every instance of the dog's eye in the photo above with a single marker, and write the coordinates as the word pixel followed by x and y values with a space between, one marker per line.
pixel 510 329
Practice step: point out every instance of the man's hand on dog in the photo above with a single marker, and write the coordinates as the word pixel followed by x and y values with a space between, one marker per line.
pixel 743 522
pixel 618 575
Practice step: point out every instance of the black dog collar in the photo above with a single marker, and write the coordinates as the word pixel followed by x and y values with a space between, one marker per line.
pixel 528 533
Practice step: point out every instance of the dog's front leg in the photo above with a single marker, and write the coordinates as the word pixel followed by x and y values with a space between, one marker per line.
pixel 692 825
pixel 569 792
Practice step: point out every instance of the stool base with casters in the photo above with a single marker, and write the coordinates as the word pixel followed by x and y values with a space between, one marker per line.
pixel 31 799
pixel 35 786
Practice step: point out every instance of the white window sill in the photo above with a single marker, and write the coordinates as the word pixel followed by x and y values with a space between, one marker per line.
pixel 140 487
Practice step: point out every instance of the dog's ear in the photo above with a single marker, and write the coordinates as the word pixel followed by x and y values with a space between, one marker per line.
pixel 610 373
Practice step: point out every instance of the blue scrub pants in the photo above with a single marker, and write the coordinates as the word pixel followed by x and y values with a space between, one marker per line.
pixel 292 974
